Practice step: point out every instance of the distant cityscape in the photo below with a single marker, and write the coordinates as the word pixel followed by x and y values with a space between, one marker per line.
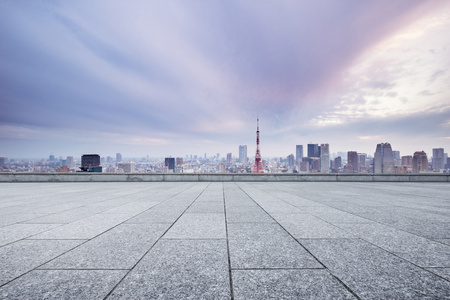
pixel 314 158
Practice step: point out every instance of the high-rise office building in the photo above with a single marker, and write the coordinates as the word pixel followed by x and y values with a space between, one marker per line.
pixel 229 158
pixel 383 161
pixel 313 150
pixel 419 162
pixel 324 158
pixel 397 158
pixel 337 162
pixel 127 167
pixel 2 162
pixel 291 160
pixel 90 163
pixel 438 160
pixel 70 162
pixel 407 160
pixel 179 161
pixel 90 160
pixel 169 162
pixel 298 152
pixel 118 157
pixel 243 154
pixel 352 162
pixel 362 157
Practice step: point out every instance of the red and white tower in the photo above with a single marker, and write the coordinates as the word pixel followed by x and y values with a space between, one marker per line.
pixel 257 168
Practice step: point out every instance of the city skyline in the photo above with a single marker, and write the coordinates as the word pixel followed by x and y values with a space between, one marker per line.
pixel 164 79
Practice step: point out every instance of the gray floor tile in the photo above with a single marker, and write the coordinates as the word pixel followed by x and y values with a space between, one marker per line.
pixel 266 253
pixel 418 250
pixel 84 229
pixel 119 248
pixel 6 220
pixel 15 232
pixel 23 256
pixel 248 216
pixel 206 207
pixel 179 269
pixel 287 284
pixel 307 226
pixel 157 216
pixel 62 284
pixel 198 226
pixel 132 207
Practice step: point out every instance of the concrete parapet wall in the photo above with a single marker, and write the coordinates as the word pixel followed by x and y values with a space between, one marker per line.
pixel 153 177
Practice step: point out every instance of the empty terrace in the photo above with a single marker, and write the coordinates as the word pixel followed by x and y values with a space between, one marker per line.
pixel 225 240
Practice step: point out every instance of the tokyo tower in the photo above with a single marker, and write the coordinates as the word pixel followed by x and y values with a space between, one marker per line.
pixel 257 168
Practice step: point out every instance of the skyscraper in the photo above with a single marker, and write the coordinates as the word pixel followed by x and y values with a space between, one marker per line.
pixel 298 152
pixel 243 154
pixel 324 158
pixel 407 160
pixel 2 162
pixel 169 162
pixel 362 159
pixel 313 150
pixel 290 160
pixel 229 157
pixel 383 161
pixel 70 162
pixel 90 163
pixel 337 162
pixel 419 162
pixel 438 161
pixel 90 160
pixel 127 167
pixel 352 162
pixel 118 157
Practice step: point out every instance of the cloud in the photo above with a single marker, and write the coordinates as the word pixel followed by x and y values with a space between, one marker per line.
pixel 425 93
pixel 172 73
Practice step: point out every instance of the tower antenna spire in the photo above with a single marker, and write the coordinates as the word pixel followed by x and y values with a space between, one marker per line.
pixel 257 168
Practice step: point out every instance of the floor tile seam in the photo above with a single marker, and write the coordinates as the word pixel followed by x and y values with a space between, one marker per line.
pixel 81 269
pixel 307 250
pixel 278 269
pixel 28 239
pixel 344 284
pixel 193 239
pixel 228 244
pixel 256 222
pixel 156 242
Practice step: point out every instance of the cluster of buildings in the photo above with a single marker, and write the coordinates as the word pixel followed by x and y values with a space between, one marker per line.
pixel 315 158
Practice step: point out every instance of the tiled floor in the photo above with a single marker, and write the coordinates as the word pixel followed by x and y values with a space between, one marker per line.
pixel 203 240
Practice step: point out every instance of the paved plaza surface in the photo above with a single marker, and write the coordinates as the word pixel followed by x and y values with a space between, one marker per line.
pixel 200 240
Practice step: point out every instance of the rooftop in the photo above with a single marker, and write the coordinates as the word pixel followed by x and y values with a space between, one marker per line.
pixel 222 240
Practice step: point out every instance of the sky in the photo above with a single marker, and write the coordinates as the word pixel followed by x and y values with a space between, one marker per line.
pixel 174 78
